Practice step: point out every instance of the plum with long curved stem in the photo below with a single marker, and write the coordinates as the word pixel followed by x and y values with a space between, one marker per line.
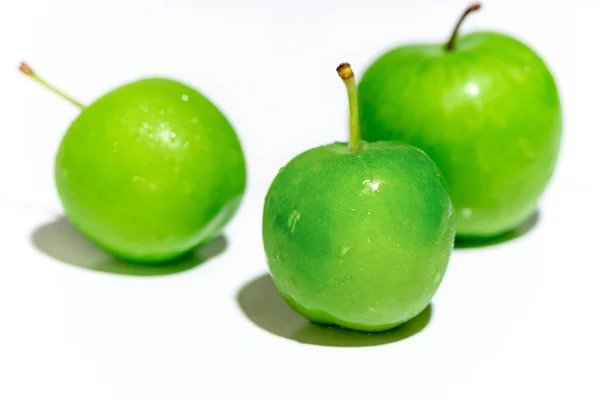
pixel 149 171
pixel 358 234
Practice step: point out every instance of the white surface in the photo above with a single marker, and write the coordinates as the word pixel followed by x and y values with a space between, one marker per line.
pixel 515 321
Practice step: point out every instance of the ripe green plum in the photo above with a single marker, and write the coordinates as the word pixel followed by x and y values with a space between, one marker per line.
pixel 485 107
pixel 149 171
pixel 358 234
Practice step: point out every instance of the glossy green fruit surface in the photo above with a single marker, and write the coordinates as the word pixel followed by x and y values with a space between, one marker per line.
pixel 358 239
pixel 150 171
pixel 487 112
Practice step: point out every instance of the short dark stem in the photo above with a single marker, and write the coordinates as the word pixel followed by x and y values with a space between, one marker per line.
pixel 27 70
pixel 450 44
pixel 345 72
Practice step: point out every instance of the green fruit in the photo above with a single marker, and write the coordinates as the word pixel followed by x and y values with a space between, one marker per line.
pixel 358 235
pixel 150 171
pixel 485 108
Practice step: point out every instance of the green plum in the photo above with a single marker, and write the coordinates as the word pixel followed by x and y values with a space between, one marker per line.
pixel 358 235
pixel 485 108
pixel 149 171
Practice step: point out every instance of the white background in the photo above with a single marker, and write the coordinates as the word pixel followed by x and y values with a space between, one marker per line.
pixel 518 320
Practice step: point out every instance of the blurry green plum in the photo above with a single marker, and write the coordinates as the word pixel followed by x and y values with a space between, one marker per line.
pixel 485 108
pixel 149 171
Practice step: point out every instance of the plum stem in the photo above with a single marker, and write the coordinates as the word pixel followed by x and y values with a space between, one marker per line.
pixel 27 70
pixel 345 72
pixel 451 42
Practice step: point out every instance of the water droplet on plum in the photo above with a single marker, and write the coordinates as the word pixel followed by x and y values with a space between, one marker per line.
pixel 466 213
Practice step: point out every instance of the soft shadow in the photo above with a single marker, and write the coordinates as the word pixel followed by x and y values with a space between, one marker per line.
pixel 61 241
pixel 264 306
pixel 525 228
